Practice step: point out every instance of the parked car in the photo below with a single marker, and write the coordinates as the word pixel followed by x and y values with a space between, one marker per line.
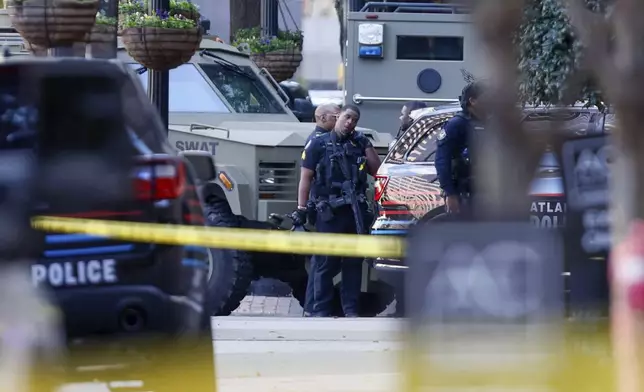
pixel 407 189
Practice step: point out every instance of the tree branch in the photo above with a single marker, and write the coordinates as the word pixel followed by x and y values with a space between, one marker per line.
pixel 506 185
pixel 594 32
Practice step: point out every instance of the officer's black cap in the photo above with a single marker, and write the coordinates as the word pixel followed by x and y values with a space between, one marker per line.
pixel 472 90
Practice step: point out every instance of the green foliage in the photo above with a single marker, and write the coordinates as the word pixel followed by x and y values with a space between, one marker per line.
pixel 182 5
pixel 101 19
pixel 259 43
pixel 550 54
pixel 128 7
pixel 161 19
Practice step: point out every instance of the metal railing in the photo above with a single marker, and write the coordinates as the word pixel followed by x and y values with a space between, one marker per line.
pixel 435 8
pixel 358 99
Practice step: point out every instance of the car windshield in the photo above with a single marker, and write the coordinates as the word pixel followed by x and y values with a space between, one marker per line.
pixel 61 112
pixel 189 91
pixel 18 122
pixel 242 89
pixel 418 143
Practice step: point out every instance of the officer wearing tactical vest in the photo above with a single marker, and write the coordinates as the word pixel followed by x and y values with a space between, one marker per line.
pixel 334 173
pixel 452 155
pixel 325 117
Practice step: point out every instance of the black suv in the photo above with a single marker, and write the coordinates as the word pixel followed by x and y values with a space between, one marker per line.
pixel 86 121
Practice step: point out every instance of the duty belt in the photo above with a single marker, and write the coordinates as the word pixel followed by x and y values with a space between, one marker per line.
pixel 336 201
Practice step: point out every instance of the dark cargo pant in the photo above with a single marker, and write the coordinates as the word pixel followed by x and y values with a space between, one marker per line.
pixel 325 268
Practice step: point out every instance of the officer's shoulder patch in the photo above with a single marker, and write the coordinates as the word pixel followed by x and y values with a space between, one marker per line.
pixel 441 134
pixel 303 154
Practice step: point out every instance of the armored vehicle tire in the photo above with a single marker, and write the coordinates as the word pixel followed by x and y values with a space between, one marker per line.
pixel 288 268
pixel 232 270
pixel 232 273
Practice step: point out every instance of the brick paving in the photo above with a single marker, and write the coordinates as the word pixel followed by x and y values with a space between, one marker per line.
pixel 270 299
pixel 260 305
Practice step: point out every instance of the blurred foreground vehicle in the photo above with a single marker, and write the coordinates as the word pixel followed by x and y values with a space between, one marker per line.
pixel 407 188
pixel 102 153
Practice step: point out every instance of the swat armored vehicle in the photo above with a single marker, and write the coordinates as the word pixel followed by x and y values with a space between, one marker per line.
pixel 422 48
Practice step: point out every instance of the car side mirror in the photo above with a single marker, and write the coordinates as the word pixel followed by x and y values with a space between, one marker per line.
pixel 303 109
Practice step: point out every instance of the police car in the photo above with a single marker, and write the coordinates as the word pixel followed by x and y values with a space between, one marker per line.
pixel 407 188
pixel 107 285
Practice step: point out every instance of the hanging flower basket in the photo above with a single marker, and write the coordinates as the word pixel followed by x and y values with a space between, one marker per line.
pixel 281 55
pixel 282 64
pixel 161 48
pixel 52 23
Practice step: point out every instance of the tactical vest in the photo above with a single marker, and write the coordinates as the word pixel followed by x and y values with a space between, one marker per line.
pixel 329 174
pixel 462 166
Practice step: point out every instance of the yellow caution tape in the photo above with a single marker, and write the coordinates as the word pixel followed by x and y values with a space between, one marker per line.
pixel 277 241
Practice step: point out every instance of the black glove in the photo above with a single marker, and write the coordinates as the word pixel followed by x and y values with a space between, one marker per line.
pixel 299 217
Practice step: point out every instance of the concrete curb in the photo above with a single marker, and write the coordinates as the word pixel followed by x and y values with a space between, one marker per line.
pixel 306 329
pixel 370 382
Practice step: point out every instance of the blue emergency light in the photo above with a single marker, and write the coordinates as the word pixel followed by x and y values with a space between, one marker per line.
pixel 370 40
pixel 365 51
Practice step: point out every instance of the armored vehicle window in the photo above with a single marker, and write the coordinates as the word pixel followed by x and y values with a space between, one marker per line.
pixel 189 91
pixel 243 91
pixel 413 47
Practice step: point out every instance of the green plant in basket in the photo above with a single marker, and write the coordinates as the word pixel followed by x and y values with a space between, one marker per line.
pixel 128 7
pixel 182 5
pixel 259 43
pixel 101 19
pixel 161 19
pixel 160 41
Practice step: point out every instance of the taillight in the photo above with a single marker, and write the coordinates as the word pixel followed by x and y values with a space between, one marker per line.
pixel 380 186
pixel 159 178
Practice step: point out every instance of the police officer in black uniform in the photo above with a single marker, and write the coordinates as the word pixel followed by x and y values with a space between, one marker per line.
pixel 452 155
pixel 322 178
pixel 325 117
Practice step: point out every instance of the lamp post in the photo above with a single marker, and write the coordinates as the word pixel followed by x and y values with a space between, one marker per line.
pixel 159 81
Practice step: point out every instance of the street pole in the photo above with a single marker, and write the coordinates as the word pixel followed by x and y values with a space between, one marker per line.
pixel 159 81
pixel 270 17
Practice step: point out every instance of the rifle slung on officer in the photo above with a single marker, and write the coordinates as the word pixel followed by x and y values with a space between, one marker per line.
pixel 348 189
